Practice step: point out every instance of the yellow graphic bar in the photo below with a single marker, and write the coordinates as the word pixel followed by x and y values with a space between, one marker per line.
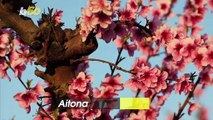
pixel 134 103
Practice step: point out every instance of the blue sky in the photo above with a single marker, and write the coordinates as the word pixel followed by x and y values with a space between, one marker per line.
pixel 72 9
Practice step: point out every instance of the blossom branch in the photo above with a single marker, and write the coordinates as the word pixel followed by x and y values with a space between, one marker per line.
pixel 104 61
pixel 190 95
pixel 118 60
pixel 41 107
pixel 21 81
pixel 170 8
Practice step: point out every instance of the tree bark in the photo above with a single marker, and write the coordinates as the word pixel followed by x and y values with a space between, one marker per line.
pixel 50 44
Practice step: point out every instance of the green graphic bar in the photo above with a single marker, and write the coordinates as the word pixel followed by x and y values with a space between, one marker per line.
pixel 134 103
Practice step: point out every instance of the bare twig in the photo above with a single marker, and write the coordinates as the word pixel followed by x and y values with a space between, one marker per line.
pixel 41 107
pixel 104 61
pixel 138 92
pixel 190 95
pixel 117 61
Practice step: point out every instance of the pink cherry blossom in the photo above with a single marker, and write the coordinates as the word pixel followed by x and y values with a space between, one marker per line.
pixel 147 78
pixel 198 92
pixel 189 49
pixel 195 31
pixel 73 93
pixel 132 5
pixel 80 83
pixel 47 100
pixel 181 32
pixel 149 93
pixel 150 114
pixel 113 81
pixel 192 15
pixel 204 114
pixel 139 116
pixel 18 67
pixel 97 6
pixel 136 34
pixel 4 44
pixel 129 47
pixel 206 78
pixel 57 16
pixel 134 85
pixel 63 116
pixel 183 84
pixel 91 114
pixel 125 15
pixel 30 96
pixel 154 23
pixel 84 34
pixel 83 66
pixel 210 3
pixel 198 3
pixel 165 34
pixel 168 65
pixel 176 47
pixel 161 99
pixel 139 63
pixel 122 114
pixel 103 20
pixel 209 56
pixel 121 30
pixel 107 34
pixel 25 99
pixel 145 10
pixel 80 86
pixel 38 89
pixel 161 83
pixel 146 48
pixel 88 20
pixel 193 107
pixel 3 69
pixel 116 5
pixel 77 113
pixel 106 92
pixel 39 117
pixel 199 60
pixel 163 6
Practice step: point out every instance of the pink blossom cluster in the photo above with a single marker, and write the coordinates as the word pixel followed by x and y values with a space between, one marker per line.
pixel 111 22
pixel 13 53
pixel 98 15
pixel 182 50
pixel 194 12
pixel 147 78
pixel 109 86
pixel 80 86
pixel 184 84
pixel 30 96
pixel 150 114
